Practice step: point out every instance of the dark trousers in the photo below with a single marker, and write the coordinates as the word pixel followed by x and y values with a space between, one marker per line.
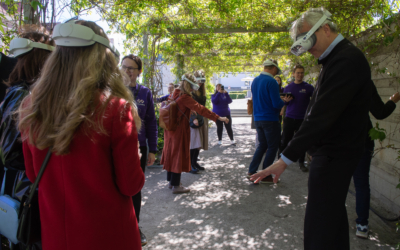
pixel 194 154
pixel 290 126
pixel 326 225
pixel 228 127
pixel 361 183
pixel 268 135
pixel 174 178
pixel 137 198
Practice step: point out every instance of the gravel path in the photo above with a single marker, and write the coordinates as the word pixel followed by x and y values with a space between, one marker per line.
pixel 226 211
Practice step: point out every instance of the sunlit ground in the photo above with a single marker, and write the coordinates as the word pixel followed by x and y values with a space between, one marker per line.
pixel 226 211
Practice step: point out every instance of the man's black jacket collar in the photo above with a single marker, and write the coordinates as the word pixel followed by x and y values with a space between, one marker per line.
pixel 337 48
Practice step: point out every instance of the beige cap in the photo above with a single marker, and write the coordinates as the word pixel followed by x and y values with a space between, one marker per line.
pixel 270 62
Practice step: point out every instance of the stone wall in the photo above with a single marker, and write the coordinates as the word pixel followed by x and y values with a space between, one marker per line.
pixel 385 169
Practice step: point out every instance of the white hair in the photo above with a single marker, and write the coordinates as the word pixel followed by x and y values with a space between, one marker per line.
pixel 311 17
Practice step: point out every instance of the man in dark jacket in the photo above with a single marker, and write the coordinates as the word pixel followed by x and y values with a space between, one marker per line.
pixel 333 130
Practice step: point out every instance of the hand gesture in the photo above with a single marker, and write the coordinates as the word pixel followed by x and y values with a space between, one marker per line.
pixel 224 119
pixel 276 169
pixel 138 147
pixel 151 159
pixel 395 98
pixel 286 98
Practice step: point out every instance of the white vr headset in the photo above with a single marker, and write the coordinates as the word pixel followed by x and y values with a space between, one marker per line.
pixel 194 85
pixel 307 40
pixel 20 46
pixel 74 35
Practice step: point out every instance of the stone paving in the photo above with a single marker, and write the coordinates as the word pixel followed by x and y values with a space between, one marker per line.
pixel 226 211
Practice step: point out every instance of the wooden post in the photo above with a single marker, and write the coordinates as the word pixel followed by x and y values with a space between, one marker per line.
pixel 28 15
pixel 145 59
pixel 180 63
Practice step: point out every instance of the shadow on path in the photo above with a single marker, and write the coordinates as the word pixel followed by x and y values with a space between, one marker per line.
pixel 226 211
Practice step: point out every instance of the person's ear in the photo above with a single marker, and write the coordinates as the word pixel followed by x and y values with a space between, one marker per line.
pixel 326 29
pixel 140 72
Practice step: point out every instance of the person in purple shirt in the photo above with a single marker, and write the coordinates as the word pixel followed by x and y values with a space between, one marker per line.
pixel 296 109
pixel 132 65
pixel 221 100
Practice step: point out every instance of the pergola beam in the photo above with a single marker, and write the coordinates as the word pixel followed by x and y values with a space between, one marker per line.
pixel 238 54
pixel 226 30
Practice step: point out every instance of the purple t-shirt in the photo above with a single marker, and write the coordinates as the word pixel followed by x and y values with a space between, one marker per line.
pixel 221 104
pixel 296 108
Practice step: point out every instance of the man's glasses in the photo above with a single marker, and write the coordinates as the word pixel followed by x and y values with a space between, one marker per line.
pixel 130 69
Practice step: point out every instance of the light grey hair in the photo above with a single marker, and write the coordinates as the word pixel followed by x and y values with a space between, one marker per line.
pixel 311 17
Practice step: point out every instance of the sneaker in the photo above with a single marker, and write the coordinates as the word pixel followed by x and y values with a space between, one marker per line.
pixel 170 186
pixel 233 142
pixel 180 190
pixel 268 180
pixel 199 167
pixel 219 142
pixel 142 237
pixel 303 167
pixel 193 170
pixel 362 231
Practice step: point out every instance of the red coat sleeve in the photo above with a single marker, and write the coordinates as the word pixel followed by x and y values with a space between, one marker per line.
pixel 190 103
pixel 124 144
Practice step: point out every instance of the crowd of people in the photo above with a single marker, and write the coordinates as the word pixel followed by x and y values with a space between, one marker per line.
pixel 332 127
pixel 100 126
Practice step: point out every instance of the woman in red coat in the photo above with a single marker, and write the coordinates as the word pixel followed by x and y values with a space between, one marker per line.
pixel 81 108
pixel 176 152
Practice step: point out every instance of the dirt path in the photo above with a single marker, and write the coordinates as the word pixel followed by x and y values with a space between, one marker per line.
pixel 226 211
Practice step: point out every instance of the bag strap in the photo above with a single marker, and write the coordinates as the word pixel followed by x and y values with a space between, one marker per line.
pixel 182 112
pixel 136 92
pixel 3 185
pixel 176 100
pixel 39 176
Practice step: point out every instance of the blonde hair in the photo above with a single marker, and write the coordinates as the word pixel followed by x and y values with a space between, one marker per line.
pixel 185 86
pixel 75 88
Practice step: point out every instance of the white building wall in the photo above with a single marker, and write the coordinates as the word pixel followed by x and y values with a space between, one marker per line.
pixel 229 80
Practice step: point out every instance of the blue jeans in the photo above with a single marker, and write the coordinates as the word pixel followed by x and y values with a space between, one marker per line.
pixel 361 183
pixel 269 135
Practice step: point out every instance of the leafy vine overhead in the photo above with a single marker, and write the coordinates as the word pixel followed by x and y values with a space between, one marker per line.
pixel 227 35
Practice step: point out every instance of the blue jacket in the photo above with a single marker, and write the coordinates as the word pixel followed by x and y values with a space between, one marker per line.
pixel 221 104
pixel 145 104
pixel 267 102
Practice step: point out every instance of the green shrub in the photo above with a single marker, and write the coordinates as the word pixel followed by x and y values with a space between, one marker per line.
pixel 237 92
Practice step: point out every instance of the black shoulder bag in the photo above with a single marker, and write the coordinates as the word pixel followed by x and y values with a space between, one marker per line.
pixel 199 118
pixel 29 229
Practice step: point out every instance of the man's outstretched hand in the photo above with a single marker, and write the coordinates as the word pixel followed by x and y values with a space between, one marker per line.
pixel 276 169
